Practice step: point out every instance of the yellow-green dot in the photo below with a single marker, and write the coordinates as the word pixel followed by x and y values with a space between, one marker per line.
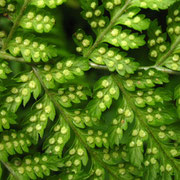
pixel 64 130
pixel 98 172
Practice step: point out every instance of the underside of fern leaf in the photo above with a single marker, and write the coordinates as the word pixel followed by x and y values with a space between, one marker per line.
pixel 100 104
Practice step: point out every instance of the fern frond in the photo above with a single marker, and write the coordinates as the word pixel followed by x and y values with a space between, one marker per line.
pixel 114 60
pixel 4 69
pixel 127 129
pixel 124 38
pixel 60 134
pixel 37 19
pixel 72 93
pixel 104 91
pixel 153 4
pixel 31 47
pixel 154 137
pixel 177 98
pixel 134 20
pixel 39 165
pixel 21 91
pixel 173 20
pixel 13 142
pixel 64 70
pixel 7 118
pixel 50 4
pixel 145 79
pixel 36 121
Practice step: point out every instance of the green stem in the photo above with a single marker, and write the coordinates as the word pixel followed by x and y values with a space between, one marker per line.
pixel 8 167
pixel 140 117
pixel 163 59
pixel 97 66
pixel 162 69
pixel 108 28
pixel 8 57
pixel 67 118
pixel 16 23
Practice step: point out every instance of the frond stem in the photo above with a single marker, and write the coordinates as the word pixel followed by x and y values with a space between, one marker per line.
pixel 67 118
pixel 16 23
pixel 108 28
pixel 141 118
pixel 162 69
pixel 6 164
pixel 8 57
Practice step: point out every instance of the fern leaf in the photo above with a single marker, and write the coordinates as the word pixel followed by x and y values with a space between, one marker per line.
pixel 83 41
pixel 31 48
pixel 27 84
pixel 155 137
pixel 114 60
pixel 35 166
pixel 145 79
pixel 153 4
pixel 55 143
pixel 82 118
pixel 7 118
pixel 12 142
pixel 36 121
pixel 72 93
pixel 177 98
pixel 157 41
pixel 173 19
pixel 134 20
pixel 104 91
pixel 124 116
pixel 95 138
pixel 64 70
pixel 76 157
pixel 4 69
pixel 124 38
pixel 50 4
pixel 38 20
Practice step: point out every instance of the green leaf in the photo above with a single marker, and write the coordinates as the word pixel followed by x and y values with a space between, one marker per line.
pixel 153 4
pixel 12 142
pixel 81 118
pixel 82 41
pixel 134 20
pixel 50 4
pixel 173 19
pixel 145 79
pixel 64 70
pixel 35 166
pixel 0 170
pixel 4 69
pixel 114 59
pixel 60 135
pixel 31 48
pixel 177 98
pixel 124 38
pixel 72 93
pixel 36 121
pixel 6 118
pixel 25 84
pixel 157 41
pixel 37 19
pixel 95 138
pixel 120 123
pixel 105 90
